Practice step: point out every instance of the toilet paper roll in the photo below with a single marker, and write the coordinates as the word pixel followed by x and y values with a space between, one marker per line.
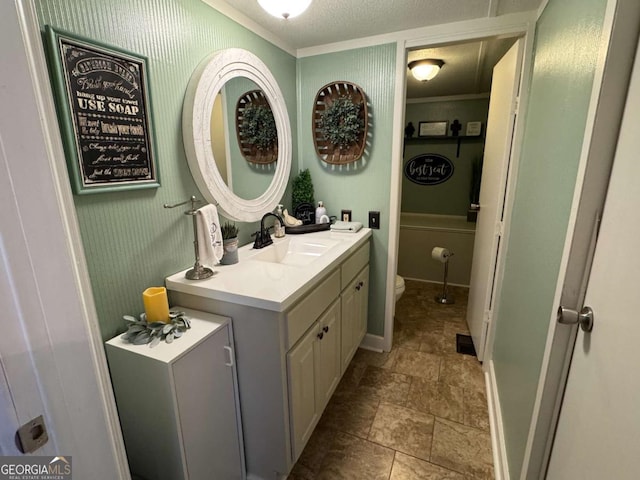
pixel 440 254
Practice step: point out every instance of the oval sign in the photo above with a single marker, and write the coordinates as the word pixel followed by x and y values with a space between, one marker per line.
pixel 428 169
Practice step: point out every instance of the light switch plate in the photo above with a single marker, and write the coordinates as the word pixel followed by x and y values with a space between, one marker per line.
pixel 374 220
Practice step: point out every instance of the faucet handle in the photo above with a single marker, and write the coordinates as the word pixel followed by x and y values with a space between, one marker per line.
pixel 258 242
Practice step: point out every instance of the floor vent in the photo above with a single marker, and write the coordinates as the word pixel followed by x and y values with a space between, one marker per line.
pixel 464 345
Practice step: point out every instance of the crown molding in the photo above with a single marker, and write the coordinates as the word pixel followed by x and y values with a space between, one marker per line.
pixel 541 8
pixel 492 25
pixel 442 33
pixel 241 19
pixel 450 98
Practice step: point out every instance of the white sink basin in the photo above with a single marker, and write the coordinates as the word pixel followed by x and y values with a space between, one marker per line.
pixel 295 251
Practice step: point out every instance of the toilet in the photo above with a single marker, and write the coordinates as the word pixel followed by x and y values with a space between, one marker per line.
pixel 399 287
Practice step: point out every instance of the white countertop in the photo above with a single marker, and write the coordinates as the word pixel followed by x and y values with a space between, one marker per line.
pixel 266 285
pixel 202 324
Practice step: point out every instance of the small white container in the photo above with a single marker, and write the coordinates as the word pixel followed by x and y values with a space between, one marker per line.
pixel 279 230
pixel 320 211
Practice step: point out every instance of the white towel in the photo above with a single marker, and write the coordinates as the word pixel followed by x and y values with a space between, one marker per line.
pixel 341 226
pixel 209 235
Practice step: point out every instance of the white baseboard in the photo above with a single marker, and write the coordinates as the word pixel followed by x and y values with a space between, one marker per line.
pixel 500 465
pixel 373 342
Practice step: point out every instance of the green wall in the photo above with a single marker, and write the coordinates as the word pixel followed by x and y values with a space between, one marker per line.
pixel 130 241
pixel 452 196
pixel 364 185
pixel 566 47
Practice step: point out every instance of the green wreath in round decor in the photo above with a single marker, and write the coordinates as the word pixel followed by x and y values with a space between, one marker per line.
pixel 259 126
pixel 341 123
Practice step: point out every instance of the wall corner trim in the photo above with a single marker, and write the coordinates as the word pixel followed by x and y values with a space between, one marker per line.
pixel 498 446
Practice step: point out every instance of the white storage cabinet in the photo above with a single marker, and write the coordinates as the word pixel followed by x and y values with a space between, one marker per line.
pixel 178 403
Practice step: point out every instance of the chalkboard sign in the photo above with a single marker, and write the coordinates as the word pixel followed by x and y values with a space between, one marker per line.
pixel 428 169
pixel 103 107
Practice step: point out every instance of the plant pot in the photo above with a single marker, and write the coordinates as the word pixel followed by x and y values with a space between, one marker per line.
pixel 230 255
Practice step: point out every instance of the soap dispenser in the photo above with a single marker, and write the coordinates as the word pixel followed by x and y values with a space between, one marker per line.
pixel 320 211
pixel 279 230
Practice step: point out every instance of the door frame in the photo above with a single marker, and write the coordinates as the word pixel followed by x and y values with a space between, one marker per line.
pixel 52 330
pixel 521 25
pixel 621 27
pixel 517 25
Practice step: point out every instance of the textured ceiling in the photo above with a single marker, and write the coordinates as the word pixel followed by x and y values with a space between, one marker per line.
pixel 467 68
pixel 329 21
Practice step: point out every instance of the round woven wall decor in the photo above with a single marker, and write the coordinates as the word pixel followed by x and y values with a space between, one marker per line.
pixel 340 104
pixel 255 102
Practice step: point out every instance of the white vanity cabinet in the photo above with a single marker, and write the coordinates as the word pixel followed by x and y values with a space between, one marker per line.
pixel 314 370
pixel 354 301
pixel 178 403
pixel 293 341
pixel 319 359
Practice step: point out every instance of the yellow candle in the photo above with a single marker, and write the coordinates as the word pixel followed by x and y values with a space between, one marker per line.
pixel 156 305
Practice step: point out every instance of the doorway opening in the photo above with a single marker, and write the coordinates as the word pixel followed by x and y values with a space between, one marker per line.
pixel 443 169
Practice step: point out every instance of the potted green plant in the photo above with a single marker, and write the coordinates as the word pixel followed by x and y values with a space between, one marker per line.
pixel 229 244
pixel 302 195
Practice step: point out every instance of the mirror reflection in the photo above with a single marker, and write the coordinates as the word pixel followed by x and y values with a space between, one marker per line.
pixel 245 179
pixel 254 189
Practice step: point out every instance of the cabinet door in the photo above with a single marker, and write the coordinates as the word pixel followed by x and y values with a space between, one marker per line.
pixel 328 357
pixel 350 327
pixel 302 383
pixel 362 306
pixel 207 410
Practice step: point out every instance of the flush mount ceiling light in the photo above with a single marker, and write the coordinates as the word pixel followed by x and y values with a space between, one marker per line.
pixel 284 8
pixel 426 69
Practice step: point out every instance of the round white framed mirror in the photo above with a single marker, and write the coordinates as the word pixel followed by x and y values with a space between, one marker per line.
pixel 206 82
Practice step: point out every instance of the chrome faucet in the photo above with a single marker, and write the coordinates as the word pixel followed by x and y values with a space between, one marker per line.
pixel 263 238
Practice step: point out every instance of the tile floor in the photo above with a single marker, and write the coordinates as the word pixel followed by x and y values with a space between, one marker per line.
pixel 417 412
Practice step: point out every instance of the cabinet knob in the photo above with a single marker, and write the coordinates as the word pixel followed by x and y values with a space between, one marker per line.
pixel 325 329
pixel 320 335
pixel 358 287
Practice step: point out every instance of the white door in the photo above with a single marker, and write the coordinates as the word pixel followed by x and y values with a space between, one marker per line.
pixel 497 153
pixel 51 358
pixel 20 398
pixel 598 434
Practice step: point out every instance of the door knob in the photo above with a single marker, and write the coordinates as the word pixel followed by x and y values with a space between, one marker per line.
pixel 567 316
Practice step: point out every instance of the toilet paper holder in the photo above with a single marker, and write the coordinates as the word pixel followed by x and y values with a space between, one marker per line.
pixel 443 255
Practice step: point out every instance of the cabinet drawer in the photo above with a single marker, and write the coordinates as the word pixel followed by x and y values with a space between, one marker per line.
pixel 309 309
pixel 354 264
